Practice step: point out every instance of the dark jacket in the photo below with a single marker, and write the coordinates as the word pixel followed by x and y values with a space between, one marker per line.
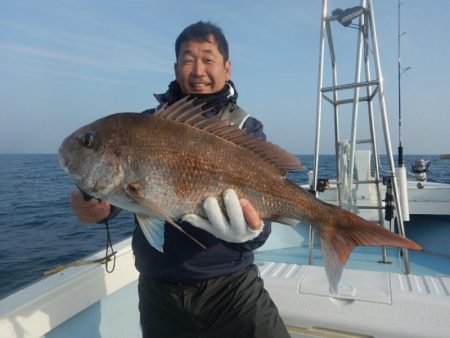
pixel 183 260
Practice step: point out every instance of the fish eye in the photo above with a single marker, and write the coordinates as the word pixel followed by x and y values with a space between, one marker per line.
pixel 88 140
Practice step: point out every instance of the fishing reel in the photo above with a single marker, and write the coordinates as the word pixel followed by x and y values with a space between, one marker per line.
pixel 389 199
pixel 420 168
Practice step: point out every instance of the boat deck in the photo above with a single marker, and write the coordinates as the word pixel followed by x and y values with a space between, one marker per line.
pixel 373 300
pixel 115 316
pixel 365 259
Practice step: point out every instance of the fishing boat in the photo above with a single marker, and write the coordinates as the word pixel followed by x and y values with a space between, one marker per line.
pixel 383 292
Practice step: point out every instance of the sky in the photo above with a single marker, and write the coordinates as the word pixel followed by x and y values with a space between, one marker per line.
pixel 64 64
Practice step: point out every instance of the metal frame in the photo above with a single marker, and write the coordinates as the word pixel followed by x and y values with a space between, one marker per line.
pixel 367 46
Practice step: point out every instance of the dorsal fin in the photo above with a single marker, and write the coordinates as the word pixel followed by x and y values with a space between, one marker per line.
pixel 187 112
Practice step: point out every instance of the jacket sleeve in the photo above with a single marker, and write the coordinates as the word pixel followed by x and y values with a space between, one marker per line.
pixel 254 127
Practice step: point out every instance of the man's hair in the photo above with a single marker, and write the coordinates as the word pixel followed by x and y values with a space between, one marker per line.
pixel 200 32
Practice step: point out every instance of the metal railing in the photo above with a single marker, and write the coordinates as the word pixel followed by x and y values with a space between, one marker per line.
pixel 366 52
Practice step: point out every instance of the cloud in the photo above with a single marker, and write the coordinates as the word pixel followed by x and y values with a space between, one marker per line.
pixel 115 60
pixel 25 44
pixel 26 70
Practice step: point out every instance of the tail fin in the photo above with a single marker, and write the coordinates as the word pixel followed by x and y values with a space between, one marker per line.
pixel 338 240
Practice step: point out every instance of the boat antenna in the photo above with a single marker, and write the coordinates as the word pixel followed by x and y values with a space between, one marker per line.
pixel 401 161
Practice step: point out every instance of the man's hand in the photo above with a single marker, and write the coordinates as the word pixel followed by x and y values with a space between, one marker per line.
pixel 92 211
pixel 239 212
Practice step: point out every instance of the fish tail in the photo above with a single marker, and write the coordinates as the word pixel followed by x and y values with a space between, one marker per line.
pixel 346 231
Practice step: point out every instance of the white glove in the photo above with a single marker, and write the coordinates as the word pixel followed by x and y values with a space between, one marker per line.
pixel 235 231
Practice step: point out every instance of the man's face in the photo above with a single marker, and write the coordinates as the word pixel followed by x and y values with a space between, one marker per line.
pixel 200 68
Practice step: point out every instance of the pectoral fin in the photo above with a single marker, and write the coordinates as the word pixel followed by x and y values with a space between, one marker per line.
pixel 134 190
pixel 153 229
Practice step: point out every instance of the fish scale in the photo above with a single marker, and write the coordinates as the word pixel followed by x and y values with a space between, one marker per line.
pixel 165 165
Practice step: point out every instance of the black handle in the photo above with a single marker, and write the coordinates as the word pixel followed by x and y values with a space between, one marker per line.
pixel 86 196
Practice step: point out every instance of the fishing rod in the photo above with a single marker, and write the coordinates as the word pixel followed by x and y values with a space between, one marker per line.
pixel 401 162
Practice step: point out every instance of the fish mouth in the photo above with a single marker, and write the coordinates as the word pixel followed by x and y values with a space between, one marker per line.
pixel 61 159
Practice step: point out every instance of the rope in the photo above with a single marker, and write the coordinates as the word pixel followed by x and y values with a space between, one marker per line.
pixel 107 254
pixel 110 254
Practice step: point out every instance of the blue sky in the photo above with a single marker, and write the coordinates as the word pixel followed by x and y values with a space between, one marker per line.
pixel 65 63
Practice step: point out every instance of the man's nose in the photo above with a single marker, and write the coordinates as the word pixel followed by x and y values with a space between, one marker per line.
pixel 199 68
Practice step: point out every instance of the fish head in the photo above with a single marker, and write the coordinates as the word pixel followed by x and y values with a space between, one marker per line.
pixel 91 156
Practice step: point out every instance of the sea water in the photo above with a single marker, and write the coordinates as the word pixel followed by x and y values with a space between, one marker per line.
pixel 38 230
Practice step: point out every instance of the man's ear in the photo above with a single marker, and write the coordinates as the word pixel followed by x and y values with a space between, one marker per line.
pixel 228 70
pixel 175 68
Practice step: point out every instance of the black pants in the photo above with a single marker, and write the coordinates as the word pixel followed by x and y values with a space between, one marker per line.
pixel 232 306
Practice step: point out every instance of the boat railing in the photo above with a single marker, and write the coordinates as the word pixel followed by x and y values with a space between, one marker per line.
pixel 366 87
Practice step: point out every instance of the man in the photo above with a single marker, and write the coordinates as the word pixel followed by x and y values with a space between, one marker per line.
pixel 188 291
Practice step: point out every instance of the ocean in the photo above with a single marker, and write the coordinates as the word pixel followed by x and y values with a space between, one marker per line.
pixel 38 230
